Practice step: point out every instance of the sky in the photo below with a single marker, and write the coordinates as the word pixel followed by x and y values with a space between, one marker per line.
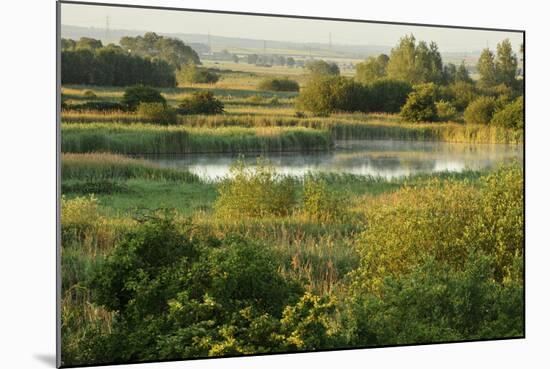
pixel 279 29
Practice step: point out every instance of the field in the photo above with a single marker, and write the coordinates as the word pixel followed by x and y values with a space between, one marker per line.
pixel 161 263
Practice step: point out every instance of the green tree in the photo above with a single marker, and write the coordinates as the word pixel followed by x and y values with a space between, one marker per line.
pixel 486 69
pixel 421 104
pixel 462 74
pixel 133 96
pixel 481 110
pixel 88 43
pixel 506 64
pixel 372 69
pixel 322 68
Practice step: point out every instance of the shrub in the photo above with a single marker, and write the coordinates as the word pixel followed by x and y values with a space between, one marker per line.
pixel 278 84
pixel 322 68
pixel 254 191
pixel 89 94
pixel 387 95
pixel 319 203
pixel 97 105
pixel 511 115
pixel 420 105
pixel 191 73
pixel 461 94
pixel 133 96
pixel 202 296
pixel 274 101
pixel 480 111
pixel 157 113
pixel 255 99
pixel 324 95
pixel 202 102
pixel 445 111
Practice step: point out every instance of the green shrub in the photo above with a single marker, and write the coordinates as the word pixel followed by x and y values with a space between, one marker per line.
pixel 191 73
pixel 254 191
pixel 255 99
pixel 387 95
pixel 202 102
pixel 157 113
pixel 445 111
pixel 480 111
pixel 89 94
pixel 201 296
pixel 460 94
pixel 319 203
pixel 420 105
pixel 278 84
pixel 94 187
pixel 97 105
pixel 324 95
pixel 511 115
pixel 274 101
pixel 133 96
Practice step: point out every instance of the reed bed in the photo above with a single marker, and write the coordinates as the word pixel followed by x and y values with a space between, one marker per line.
pixel 155 139
pixel 106 166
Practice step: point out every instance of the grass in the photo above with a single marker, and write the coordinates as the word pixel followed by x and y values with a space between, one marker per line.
pixel 153 139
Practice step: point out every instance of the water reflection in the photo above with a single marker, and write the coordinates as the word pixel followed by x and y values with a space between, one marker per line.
pixel 388 159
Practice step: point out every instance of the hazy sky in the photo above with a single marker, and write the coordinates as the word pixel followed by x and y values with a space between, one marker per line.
pixel 280 29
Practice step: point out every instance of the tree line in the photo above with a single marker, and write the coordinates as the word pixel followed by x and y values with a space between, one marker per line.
pixel 149 60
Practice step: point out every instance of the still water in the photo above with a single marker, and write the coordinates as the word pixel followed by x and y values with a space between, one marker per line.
pixel 383 158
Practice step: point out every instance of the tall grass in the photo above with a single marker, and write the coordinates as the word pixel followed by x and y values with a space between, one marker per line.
pixel 152 139
pixel 105 166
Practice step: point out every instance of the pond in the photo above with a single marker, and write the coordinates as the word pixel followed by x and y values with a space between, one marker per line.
pixel 385 158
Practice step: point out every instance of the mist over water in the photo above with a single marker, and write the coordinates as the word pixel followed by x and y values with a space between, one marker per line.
pixel 385 158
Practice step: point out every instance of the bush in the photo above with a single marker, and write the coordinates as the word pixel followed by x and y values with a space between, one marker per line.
pixel 254 191
pixel 511 115
pixel 387 95
pixel 202 102
pixel 319 203
pixel 201 296
pixel 157 113
pixel 133 96
pixel 461 94
pixel 278 84
pixel 97 105
pixel 324 95
pixel 480 111
pixel 89 94
pixel 420 105
pixel 445 111
pixel 194 74
pixel 255 99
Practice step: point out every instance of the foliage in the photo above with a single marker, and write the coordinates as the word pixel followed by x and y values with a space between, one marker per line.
pixel 420 105
pixel 191 73
pixel 254 191
pixel 434 303
pixel 324 95
pixel 89 94
pixel 415 63
pixel 445 111
pixel 387 95
pixel 319 204
pixel 460 94
pixel 322 68
pixel 157 113
pixel 372 69
pixel 170 50
pixel 111 66
pixel 278 84
pixel 486 69
pixel 506 64
pixel 480 111
pixel 104 106
pixel 201 102
pixel 133 96
pixel 511 115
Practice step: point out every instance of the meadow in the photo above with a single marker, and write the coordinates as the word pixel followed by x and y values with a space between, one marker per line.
pixel 159 263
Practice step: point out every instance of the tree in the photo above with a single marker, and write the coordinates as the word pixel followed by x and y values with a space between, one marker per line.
pixel 415 63
pixel 462 74
pixel 67 44
pixel 486 69
pixel 480 111
pixel 290 62
pixel 88 43
pixel 420 105
pixel 133 96
pixel 191 73
pixel 171 50
pixel 372 69
pixel 506 64
pixel 322 68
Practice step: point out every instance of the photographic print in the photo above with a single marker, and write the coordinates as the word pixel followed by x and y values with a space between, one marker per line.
pixel 235 184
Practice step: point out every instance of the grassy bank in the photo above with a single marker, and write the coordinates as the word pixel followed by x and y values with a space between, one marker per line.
pixel 153 139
